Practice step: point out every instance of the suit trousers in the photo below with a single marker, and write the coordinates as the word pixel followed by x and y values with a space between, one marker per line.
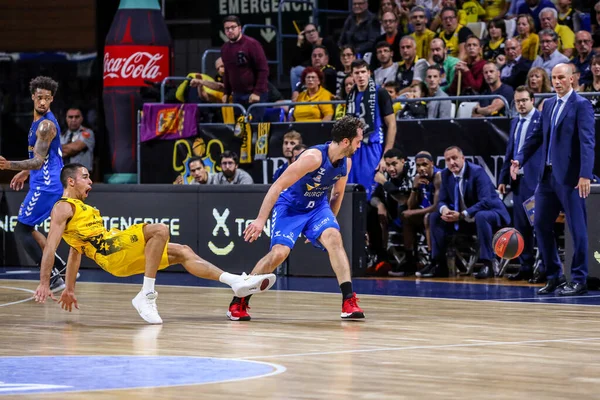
pixel 550 198
pixel 520 194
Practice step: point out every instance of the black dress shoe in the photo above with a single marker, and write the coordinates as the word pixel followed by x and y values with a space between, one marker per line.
pixel 521 276
pixel 552 285
pixel 573 289
pixel 436 271
pixel 484 273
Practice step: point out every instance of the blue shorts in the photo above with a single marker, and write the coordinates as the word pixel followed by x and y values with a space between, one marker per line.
pixel 37 207
pixel 287 224
pixel 364 163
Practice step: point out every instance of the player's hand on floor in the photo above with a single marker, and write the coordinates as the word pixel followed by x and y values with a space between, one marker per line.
pixel 42 293
pixel 253 231
pixel 68 300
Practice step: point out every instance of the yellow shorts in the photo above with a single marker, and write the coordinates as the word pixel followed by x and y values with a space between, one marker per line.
pixel 127 255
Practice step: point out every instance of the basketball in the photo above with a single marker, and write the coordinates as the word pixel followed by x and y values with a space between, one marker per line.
pixel 508 243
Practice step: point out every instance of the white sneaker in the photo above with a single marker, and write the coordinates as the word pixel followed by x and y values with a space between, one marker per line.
pixel 246 285
pixel 146 306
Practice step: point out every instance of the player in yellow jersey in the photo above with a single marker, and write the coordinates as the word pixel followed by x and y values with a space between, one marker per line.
pixel 141 248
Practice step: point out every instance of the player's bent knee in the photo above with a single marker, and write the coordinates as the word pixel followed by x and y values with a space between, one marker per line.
pixel 280 252
pixel 331 238
pixel 22 229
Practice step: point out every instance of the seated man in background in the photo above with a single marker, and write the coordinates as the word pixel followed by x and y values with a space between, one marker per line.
pixel 495 107
pixel 230 173
pixel 467 202
pixel 290 140
pixel 388 201
pixel 77 142
pixel 199 174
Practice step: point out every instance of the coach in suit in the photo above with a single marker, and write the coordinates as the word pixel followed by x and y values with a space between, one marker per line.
pixel 467 195
pixel 523 187
pixel 567 140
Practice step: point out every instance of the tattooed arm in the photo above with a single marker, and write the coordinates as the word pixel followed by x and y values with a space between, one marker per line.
pixel 45 133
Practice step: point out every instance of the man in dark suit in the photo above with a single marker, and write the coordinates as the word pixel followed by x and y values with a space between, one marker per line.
pixel 524 186
pixel 567 140
pixel 467 196
pixel 513 66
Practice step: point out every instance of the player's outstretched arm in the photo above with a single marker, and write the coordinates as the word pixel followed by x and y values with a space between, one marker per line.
pixel 45 133
pixel 338 190
pixel 61 213
pixel 67 298
pixel 309 161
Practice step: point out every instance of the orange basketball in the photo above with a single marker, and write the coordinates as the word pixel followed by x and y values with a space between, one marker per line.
pixel 508 243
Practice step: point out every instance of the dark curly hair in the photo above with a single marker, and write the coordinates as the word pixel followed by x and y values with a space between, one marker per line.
pixel 43 82
pixel 309 70
pixel 346 128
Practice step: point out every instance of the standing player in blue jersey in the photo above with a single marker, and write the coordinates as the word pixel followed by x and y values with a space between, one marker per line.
pixel 374 106
pixel 300 205
pixel 43 168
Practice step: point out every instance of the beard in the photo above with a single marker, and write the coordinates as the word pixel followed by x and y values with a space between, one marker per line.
pixel 438 59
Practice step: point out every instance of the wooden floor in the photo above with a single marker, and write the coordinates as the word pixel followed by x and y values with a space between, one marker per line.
pixel 407 348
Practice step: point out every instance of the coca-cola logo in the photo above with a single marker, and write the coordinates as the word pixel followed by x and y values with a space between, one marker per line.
pixel 131 65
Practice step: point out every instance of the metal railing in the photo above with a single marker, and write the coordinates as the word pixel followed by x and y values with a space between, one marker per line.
pixel 205 54
pixel 452 98
pixel 169 79
pixel 278 54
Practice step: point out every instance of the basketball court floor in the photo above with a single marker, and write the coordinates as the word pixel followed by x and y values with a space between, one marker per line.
pixel 422 339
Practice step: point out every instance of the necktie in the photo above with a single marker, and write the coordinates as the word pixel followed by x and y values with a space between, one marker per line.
pixel 552 130
pixel 456 198
pixel 518 138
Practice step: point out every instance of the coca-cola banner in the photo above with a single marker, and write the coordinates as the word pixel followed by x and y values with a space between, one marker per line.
pixel 168 121
pixel 131 65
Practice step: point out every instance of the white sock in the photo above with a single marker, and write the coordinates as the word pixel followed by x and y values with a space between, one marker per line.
pixel 148 285
pixel 228 278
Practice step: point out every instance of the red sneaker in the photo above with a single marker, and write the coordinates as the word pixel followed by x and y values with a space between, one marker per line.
pixel 237 311
pixel 350 308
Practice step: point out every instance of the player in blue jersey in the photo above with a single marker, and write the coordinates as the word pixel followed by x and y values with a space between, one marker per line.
pixel 300 206
pixel 43 170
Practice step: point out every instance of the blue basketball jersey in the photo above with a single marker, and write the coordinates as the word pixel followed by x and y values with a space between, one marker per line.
pixel 47 178
pixel 311 190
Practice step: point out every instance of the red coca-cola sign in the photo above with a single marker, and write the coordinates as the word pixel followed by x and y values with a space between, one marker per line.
pixel 131 65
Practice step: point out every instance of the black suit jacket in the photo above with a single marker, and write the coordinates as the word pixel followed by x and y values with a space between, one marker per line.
pixel 518 75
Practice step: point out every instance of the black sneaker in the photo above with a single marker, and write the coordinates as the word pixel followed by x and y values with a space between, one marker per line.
pixel 57 283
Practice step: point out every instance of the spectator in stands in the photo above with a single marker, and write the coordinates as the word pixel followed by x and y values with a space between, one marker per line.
pixel 347 55
pixel 388 201
pixel 530 41
pixel 198 172
pixel 538 82
pixel 374 105
pixel 436 22
pixel 77 142
pixel 513 66
pixel 361 28
pixel 583 44
pixel 301 55
pixel 403 21
pixel 436 109
pixel 320 60
pixel 566 37
pixel 594 86
pixel 415 109
pixel 422 35
pixel 421 202
pixel 387 67
pixel 391 36
pixel 246 68
pixel 474 10
pixel 312 79
pixel 496 9
pixel 534 8
pixel 495 46
pixel 405 75
pixel 576 75
pixel 290 140
pixel 471 70
pixel 297 150
pixel 568 16
pixel 453 34
pixel 595 30
pixel 439 58
pixel 394 91
pixel 467 202
pixel 495 107
pixel 340 109
pixel 550 56
pixel 230 173
pixel 386 6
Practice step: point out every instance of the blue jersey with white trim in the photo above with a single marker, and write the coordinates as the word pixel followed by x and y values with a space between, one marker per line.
pixel 311 190
pixel 47 178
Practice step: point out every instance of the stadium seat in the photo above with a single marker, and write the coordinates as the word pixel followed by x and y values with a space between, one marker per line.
pixel 479 29
pixel 452 110
pixel 274 114
pixel 465 109
pixel 511 27
pixel 585 21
